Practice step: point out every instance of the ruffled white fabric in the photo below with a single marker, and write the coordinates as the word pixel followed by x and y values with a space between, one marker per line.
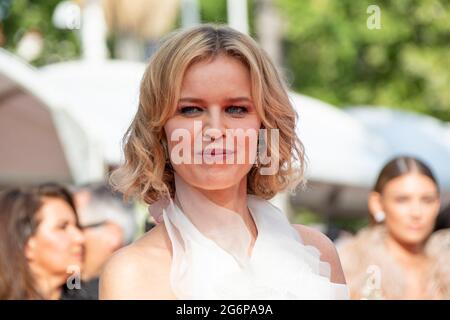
pixel 280 265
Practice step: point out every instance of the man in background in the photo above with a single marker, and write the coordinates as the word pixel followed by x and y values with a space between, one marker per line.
pixel 108 224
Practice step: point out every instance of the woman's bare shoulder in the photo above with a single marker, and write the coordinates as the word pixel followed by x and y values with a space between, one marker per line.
pixel 326 247
pixel 140 270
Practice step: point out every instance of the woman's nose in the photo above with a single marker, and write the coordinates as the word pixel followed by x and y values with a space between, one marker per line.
pixel 78 236
pixel 416 210
pixel 214 127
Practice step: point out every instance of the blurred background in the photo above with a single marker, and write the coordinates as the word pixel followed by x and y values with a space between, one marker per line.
pixel 370 80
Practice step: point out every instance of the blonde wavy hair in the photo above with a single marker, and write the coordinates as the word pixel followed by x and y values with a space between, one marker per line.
pixel 147 173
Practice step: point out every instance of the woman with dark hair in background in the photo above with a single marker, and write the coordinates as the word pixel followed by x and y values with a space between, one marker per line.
pixel 393 258
pixel 41 244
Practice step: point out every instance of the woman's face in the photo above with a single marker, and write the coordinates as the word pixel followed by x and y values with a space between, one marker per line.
pixel 58 242
pixel 411 204
pixel 215 100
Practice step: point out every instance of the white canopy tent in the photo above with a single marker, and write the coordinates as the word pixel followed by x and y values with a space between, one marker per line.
pixel 39 140
pixel 343 158
pixel 102 96
pixel 339 148
pixel 408 133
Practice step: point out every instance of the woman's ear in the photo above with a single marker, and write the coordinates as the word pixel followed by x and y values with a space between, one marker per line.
pixel 30 246
pixel 374 203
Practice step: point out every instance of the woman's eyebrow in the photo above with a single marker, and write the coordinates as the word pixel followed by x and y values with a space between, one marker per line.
pixel 396 194
pixel 431 194
pixel 236 99
pixel 66 219
pixel 189 99
pixel 229 100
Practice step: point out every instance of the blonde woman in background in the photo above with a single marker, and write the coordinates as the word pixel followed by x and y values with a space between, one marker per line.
pixel 220 238
pixel 395 257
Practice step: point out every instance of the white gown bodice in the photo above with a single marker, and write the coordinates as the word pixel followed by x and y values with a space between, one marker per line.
pixel 280 265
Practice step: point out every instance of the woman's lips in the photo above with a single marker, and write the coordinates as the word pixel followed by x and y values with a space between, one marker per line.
pixel 78 253
pixel 216 151
pixel 415 227
pixel 216 154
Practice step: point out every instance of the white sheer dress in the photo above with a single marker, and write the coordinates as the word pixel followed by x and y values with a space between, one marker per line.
pixel 210 252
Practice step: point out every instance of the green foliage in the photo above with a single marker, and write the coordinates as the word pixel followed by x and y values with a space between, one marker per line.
pixel 213 11
pixel 333 56
pixel 306 217
pixel 26 15
pixel 351 224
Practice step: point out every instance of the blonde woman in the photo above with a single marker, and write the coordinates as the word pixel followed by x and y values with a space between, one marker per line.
pixel 194 153
pixel 397 256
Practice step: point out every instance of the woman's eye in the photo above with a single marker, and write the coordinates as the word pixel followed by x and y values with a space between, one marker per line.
pixel 429 200
pixel 401 199
pixel 190 110
pixel 63 226
pixel 237 110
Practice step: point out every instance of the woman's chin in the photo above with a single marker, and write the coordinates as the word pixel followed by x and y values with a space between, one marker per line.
pixel 215 176
pixel 414 239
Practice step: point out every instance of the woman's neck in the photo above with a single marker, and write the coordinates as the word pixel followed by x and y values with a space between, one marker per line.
pixel 406 254
pixel 49 286
pixel 234 198
pixel 415 265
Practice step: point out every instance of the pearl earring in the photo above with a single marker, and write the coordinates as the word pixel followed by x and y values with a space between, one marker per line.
pixel 379 216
